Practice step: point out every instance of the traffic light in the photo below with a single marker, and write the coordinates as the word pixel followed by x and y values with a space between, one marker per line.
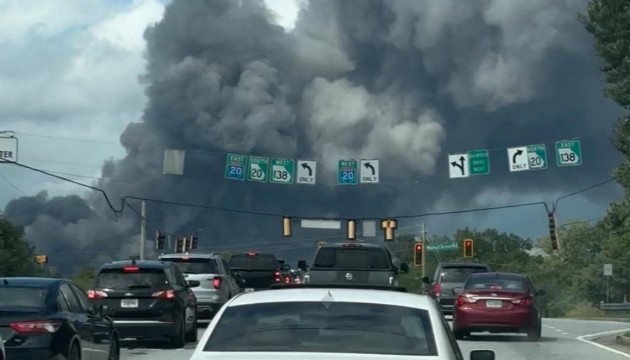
pixel 179 245
pixel 417 254
pixel 352 230
pixel 159 240
pixel 553 233
pixel 468 248
pixel 286 227
pixel 41 259
pixel 388 227
pixel 192 244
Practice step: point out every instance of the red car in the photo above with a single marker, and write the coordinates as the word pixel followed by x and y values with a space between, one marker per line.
pixel 499 303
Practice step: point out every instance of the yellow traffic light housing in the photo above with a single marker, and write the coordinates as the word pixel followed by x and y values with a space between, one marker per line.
pixel 417 254
pixel 286 227
pixel 41 259
pixel 468 248
pixel 352 229
pixel 388 226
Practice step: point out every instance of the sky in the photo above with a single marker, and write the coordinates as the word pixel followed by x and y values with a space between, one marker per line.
pixel 72 79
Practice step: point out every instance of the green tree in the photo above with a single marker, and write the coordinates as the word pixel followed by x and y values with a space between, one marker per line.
pixel 16 254
pixel 85 277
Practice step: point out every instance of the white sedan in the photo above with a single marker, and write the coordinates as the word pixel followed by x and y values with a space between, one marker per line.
pixel 328 323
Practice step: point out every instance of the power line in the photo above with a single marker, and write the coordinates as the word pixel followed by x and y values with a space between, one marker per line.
pixel 69 138
pixel 12 184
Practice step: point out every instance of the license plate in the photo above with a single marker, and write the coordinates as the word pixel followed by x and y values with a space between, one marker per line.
pixel 129 303
pixel 493 303
pixel 249 290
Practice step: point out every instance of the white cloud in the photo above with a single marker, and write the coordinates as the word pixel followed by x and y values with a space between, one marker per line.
pixel 69 68
pixel 286 11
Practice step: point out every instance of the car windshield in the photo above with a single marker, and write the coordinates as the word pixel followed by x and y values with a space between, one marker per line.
pixel 118 279
pixel 339 327
pixel 23 297
pixel 498 282
pixel 257 261
pixel 194 265
pixel 352 258
pixel 458 274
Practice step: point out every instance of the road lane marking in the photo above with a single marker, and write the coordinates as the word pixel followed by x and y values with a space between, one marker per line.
pixel 583 338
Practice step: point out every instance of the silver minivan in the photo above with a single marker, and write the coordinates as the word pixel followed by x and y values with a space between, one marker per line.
pixel 217 285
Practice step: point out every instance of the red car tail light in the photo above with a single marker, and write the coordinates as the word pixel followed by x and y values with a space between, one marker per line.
pixel 36 326
pixel 526 301
pixel 437 290
pixel 96 294
pixel 131 269
pixel 277 277
pixel 464 299
pixel 287 280
pixel 216 282
pixel 166 294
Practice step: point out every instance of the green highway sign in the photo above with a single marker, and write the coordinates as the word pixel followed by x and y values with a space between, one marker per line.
pixel 442 246
pixel 537 156
pixel 347 172
pixel 568 153
pixel 258 169
pixel 282 171
pixel 235 166
pixel 479 162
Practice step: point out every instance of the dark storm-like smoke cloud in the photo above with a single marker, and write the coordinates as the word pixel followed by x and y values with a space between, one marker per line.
pixel 403 81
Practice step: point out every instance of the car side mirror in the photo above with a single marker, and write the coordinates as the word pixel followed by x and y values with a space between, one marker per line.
pixel 482 355
pixel 302 265
pixel 426 280
pixel 404 268
pixel 457 291
pixel 541 292
pixel 193 283
pixel 105 310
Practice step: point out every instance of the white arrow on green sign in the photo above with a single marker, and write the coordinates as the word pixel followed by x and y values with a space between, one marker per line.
pixel 282 171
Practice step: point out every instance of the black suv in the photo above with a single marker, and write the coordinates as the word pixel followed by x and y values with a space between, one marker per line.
pixel 446 278
pixel 149 299
pixel 352 262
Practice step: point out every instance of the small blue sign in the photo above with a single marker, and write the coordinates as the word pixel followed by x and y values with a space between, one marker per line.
pixel 235 167
pixel 348 174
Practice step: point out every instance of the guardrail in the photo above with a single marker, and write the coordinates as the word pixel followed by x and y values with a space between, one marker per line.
pixel 617 308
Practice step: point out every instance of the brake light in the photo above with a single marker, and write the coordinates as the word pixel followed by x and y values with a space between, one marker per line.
pixel 251 253
pixel 464 299
pixel 287 280
pixel 437 290
pixel 216 282
pixel 351 245
pixel 36 326
pixel 166 294
pixel 96 294
pixel 185 257
pixel 277 277
pixel 522 301
pixel 130 269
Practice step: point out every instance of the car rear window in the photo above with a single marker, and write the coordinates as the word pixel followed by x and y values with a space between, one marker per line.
pixel 22 297
pixel 498 282
pixel 352 258
pixel 119 279
pixel 334 327
pixel 189 265
pixel 257 261
pixel 458 274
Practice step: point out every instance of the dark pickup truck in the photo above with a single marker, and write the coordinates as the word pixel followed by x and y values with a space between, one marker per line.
pixel 255 271
pixel 353 263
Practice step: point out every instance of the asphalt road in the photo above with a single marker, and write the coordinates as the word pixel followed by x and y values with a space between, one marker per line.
pixel 562 339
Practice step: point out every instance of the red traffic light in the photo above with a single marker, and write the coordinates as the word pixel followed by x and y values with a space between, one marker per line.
pixel 418 247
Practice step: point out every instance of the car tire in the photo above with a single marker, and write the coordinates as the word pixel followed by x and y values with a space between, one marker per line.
pixel 179 341
pixel 191 336
pixel 114 349
pixel 534 332
pixel 75 352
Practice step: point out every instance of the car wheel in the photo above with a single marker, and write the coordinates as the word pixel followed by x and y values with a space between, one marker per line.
pixel 179 341
pixel 114 349
pixel 534 332
pixel 75 353
pixel 191 336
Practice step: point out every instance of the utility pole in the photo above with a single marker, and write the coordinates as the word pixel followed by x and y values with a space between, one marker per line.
pixel 143 229
pixel 423 240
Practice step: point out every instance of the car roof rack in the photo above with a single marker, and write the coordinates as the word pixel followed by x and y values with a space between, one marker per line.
pixel 338 286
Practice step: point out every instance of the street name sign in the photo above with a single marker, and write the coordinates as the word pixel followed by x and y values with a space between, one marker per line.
pixel 479 162
pixel 442 247
pixel 347 172
pixel 568 153
pixel 235 166
pixel 258 169
pixel 282 171
pixel 306 172
pixel 8 148
pixel 369 171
